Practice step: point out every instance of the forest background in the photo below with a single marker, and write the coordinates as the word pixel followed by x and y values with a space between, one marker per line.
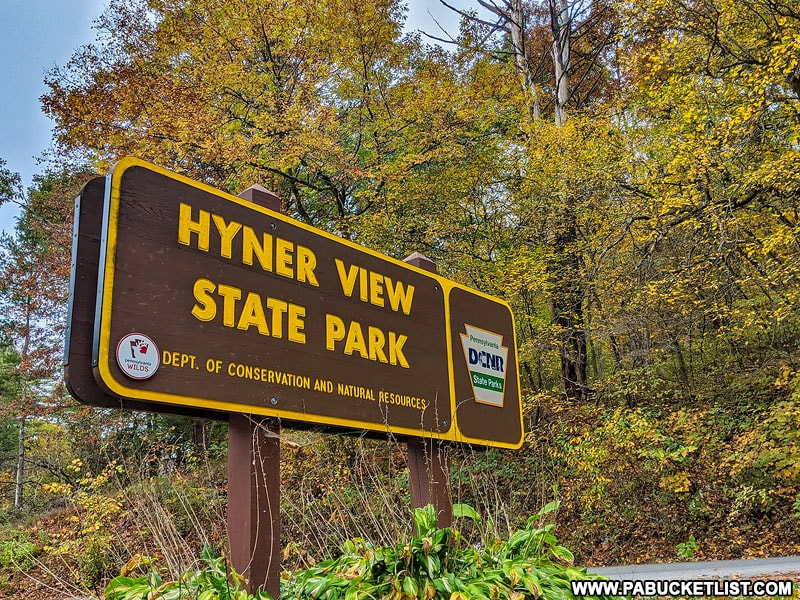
pixel 623 173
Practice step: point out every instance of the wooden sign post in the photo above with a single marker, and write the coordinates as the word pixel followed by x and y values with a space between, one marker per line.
pixel 428 467
pixel 254 481
pixel 254 501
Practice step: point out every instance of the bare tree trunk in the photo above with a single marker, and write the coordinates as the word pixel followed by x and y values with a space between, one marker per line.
pixel 19 498
pixel 561 26
pixel 567 307
pixel 569 292
pixel 517 26
pixel 199 438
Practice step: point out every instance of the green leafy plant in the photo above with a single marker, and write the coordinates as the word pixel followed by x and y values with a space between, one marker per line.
pixel 212 582
pixel 773 444
pixel 688 548
pixel 749 503
pixel 18 552
pixel 441 564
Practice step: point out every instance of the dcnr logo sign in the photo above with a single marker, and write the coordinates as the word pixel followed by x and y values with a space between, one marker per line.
pixel 486 357
pixel 250 311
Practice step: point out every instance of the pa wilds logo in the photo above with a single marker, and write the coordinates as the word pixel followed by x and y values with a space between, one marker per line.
pixel 138 356
pixel 487 359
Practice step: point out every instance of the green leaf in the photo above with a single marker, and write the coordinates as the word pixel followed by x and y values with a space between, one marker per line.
pixel 563 554
pixel 425 520
pixel 432 565
pixel 474 592
pixel 465 511
pixel 443 585
pixel 207 554
pixel 351 593
pixel 550 507
pixel 315 586
pixel 171 593
pixel 331 594
pixel 154 579
pixel 531 583
pixel 127 588
pixel 410 587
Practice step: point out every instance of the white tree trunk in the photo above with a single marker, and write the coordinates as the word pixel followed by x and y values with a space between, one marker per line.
pixel 560 22
pixel 517 26
pixel 19 498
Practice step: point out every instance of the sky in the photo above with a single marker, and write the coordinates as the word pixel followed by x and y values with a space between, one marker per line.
pixel 38 35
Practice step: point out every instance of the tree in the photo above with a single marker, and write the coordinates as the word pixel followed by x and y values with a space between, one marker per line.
pixel 544 43
pixel 33 289
pixel 298 98
pixel 9 392
pixel 713 93
pixel 9 183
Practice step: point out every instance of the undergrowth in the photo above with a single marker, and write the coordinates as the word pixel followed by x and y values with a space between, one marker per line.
pixel 433 564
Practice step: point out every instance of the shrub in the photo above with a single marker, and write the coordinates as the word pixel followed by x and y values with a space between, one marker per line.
pixel 435 564
pixel 18 552
pixel 439 564
pixel 774 443
pixel 688 548
pixel 85 547
pixel 212 582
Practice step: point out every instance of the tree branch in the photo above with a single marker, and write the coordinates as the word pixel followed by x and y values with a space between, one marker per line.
pixel 476 19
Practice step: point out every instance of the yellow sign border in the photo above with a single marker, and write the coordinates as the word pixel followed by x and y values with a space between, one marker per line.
pixel 103 350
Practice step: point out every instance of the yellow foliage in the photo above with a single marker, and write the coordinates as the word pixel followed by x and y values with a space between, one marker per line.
pixel 84 547
pixel 678 482
pixel 773 444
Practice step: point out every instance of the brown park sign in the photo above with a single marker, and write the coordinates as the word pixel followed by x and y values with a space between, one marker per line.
pixel 209 302
pixel 78 372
